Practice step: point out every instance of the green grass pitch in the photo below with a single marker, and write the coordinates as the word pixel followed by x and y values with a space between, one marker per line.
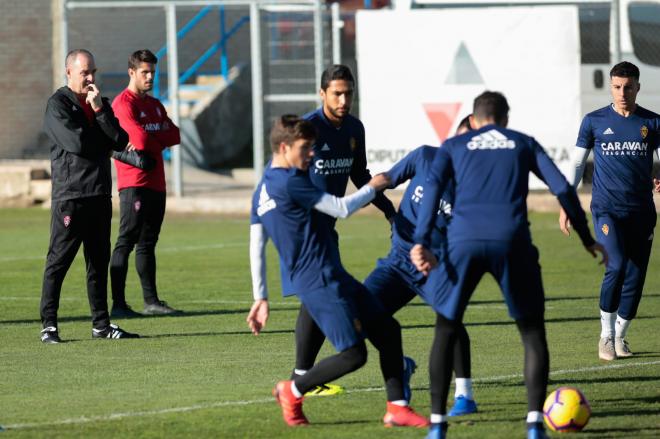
pixel 204 375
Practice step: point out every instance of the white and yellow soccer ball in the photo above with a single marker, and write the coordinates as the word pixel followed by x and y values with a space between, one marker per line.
pixel 566 410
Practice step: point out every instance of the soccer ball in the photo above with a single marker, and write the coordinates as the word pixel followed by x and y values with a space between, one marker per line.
pixel 566 410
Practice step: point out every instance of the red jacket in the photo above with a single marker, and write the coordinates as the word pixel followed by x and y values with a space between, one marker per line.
pixel 150 130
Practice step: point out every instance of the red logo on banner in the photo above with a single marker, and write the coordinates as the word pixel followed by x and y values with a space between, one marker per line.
pixel 442 117
pixel 67 220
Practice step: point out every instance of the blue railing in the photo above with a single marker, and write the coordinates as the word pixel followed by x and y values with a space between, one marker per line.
pixel 220 45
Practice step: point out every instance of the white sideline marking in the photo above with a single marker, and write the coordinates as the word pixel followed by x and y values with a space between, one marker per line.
pixel 116 416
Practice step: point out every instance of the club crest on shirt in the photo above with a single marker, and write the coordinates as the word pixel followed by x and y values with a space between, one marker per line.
pixel 644 131
pixel 137 205
pixel 357 325
pixel 66 220
pixel 353 143
pixel 605 229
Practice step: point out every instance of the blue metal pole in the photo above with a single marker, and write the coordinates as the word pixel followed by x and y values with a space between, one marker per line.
pixel 367 4
pixel 224 63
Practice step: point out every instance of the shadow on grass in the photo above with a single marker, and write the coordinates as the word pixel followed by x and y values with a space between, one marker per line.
pixel 196 313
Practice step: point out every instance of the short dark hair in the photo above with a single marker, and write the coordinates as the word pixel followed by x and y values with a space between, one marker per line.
pixel 140 56
pixel 491 105
pixel 625 69
pixel 288 129
pixel 73 54
pixel 465 123
pixel 336 72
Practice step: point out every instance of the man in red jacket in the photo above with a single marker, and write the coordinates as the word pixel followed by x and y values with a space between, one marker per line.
pixel 141 191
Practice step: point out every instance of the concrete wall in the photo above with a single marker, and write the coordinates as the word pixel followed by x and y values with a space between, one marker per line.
pixel 25 73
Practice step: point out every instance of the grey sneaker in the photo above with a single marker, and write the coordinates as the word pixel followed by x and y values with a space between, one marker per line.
pixel 606 349
pixel 621 348
pixel 49 335
pixel 123 312
pixel 160 308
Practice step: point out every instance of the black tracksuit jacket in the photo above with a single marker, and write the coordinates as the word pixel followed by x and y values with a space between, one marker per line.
pixel 80 151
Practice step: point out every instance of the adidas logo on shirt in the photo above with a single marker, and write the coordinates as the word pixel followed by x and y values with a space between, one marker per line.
pixel 608 131
pixel 266 204
pixel 325 148
pixel 492 139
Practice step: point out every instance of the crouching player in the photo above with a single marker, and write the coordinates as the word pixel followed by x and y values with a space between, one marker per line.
pixel 489 233
pixel 396 281
pixel 288 209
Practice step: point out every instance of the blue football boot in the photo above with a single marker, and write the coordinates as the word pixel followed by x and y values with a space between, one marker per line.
pixel 409 367
pixel 536 431
pixel 463 406
pixel 437 431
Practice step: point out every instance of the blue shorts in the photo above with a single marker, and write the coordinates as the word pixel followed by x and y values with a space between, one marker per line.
pixel 514 265
pixel 340 309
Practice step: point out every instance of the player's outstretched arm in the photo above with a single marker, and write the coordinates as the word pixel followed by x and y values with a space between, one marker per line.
pixel 345 206
pixel 258 316
pixel 596 248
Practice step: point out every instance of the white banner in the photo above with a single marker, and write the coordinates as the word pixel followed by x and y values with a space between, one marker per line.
pixel 420 70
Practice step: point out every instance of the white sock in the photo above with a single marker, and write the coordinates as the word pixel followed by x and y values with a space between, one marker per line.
pixel 607 320
pixel 463 388
pixel 438 419
pixel 295 390
pixel 400 402
pixel 621 326
pixel 299 372
pixel 534 417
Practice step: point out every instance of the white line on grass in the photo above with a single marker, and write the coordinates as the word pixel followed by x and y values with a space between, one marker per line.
pixel 116 416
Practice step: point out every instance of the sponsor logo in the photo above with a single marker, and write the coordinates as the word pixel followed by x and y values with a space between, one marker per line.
pixel 325 147
pixel 624 148
pixel 333 166
pixel 66 220
pixel 608 131
pixel 266 204
pixel 137 205
pixel 605 229
pixel 644 131
pixel 444 208
pixel 151 127
pixel 492 139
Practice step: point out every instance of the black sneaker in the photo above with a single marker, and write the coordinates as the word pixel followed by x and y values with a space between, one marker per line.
pixel 112 331
pixel 123 312
pixel 160 308
pixel 49 335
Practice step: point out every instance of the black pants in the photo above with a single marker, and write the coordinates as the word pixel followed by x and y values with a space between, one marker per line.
pixel 141 216
pixel 86 221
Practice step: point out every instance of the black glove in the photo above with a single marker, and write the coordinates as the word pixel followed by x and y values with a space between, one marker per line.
pixel 135 158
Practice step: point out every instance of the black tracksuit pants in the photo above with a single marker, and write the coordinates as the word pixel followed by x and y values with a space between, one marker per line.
pixel 83 221
pixel 141 216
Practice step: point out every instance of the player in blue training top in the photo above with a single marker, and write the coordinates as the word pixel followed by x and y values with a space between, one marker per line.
pixel 489 232
pixel 396 281
pixel 623 136
pixel 339 153
pixel 288 208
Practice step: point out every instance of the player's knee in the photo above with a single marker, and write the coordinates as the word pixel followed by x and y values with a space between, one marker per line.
pixel 446 327
pixel 355 357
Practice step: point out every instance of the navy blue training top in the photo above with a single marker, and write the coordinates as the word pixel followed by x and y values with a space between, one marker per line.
pixel 623 158
pixel 490 170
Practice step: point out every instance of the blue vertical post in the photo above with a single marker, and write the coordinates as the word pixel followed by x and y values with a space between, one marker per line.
pixel 224 63
pixel 367 4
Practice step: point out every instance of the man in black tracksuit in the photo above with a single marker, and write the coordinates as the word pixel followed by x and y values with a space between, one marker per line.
pixel 83 132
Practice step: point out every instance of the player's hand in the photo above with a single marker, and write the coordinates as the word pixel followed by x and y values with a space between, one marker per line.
pixel 423 259
pixel 656 184
pixel 130 147
pixel 94 97
pixel 380 181
pixel 258 316
pixel 564 222
pixel 598 248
